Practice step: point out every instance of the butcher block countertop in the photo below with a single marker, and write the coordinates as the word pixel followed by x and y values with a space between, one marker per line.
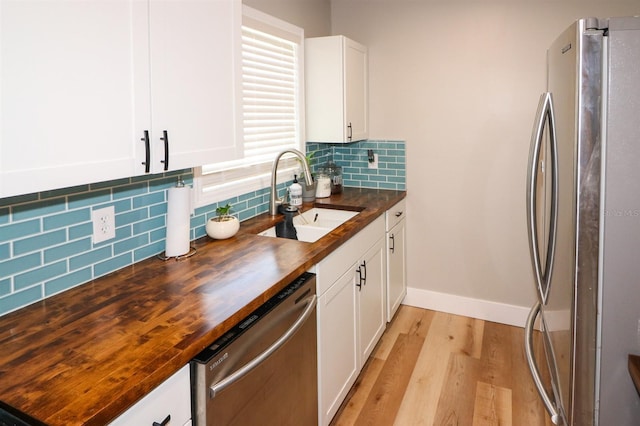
pixel 84 356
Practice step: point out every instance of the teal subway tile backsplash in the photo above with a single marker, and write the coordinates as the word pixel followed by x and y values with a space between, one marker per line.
pixel 72 248
pixel 38 208
pixel 62 220
pixel 5 287
pixel 65 282
pixel 20 229
pixel 4 251
pixel 4 215
pixel 353 158
pixel 112 264
pixel 46 242
pixel 20 264
pixel 47 239
pixel 35 276
pixel 90 257
pixel 18 298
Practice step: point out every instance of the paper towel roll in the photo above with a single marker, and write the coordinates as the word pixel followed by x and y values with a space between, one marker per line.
pixel 178 221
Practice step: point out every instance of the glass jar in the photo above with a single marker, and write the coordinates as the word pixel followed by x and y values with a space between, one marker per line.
pixel 334 172
pixel 323 185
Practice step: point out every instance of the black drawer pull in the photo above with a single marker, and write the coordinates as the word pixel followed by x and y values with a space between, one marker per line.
pixel 165 422
pixel 165 138
pixel 147 152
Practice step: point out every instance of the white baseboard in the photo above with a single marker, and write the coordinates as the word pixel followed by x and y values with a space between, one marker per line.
pixel 474 308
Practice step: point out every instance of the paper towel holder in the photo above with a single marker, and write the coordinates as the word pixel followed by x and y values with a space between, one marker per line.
pixel 191 252
pixel 179 208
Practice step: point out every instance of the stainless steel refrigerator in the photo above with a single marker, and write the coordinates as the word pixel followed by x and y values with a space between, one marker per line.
pixel 583 218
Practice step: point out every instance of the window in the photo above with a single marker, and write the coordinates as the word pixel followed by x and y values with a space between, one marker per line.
pixel 272 109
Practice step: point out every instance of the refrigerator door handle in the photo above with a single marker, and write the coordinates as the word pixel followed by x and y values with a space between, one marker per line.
pixel 544 114
pixel 535 373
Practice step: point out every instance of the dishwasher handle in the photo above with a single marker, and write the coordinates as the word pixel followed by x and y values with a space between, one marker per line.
pixel 242 371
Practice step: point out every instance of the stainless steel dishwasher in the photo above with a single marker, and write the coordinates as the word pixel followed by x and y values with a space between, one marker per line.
pixel 264 370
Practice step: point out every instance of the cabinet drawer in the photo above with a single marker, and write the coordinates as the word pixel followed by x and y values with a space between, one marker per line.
pixel 171 398
pixel 336 264
pixel 395 214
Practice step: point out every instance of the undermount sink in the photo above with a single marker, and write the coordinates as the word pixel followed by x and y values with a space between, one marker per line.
pixel 315 223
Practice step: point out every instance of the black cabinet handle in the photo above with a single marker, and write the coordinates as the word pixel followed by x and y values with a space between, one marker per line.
pixel 147 152
pixel 350 134
pixel 165 138
pixel 360 282
pixel 165 422
pixel 398 214
pixel 392 237
pixel 364 267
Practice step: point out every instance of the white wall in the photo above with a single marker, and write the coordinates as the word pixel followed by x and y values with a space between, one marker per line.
pixel 460 81
pixel 312 15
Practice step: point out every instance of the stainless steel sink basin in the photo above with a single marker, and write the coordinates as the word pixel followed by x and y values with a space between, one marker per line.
pixel 315 223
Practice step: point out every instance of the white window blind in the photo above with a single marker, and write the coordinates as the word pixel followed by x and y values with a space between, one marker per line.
pixel 269 93
pixel 271 108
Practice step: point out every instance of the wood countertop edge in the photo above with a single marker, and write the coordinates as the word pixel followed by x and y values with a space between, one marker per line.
pixel 34 320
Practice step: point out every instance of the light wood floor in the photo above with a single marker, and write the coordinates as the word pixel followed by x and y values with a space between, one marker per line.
pixel 432 368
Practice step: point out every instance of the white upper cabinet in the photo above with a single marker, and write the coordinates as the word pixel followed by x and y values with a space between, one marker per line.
pixel 336 90
pixel 195 72
pixel 82 82
pixel 67 111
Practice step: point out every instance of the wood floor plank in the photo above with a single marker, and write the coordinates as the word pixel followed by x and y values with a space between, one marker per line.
pixel 486 383
pixel 386 395
pixel 456 402
pixel 447 334
pixel 357 397
pixel 496 355
pixel 492 406
pixel 408 320
pixel 528 407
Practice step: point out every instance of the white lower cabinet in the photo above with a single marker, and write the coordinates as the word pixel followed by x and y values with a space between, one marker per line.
pixel 337 345
pixel 396 257
pixel 171 400
pixel 371 307
pixel 351 314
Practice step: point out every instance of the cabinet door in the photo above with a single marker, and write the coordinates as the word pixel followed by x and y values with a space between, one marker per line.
pixel 356 91
pixel 67 112
pixel 169 400
pixel 336 90
pixel 194 76
pixel 337 346
pixel 371 299
pixel 396 268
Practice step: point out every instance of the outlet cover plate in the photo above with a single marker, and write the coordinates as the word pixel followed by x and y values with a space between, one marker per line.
pixel 374 163
pixel 104 224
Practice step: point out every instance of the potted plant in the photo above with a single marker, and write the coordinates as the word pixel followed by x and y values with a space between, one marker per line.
pixel 224 225
pixel 308 192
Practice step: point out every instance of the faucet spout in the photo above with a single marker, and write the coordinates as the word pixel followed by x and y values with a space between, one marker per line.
pixel 274 200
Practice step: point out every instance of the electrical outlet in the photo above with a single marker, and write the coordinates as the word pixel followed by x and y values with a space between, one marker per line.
pixel 374 164
pixel 104 224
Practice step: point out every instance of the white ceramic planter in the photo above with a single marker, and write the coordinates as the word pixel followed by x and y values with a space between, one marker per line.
pixel 220 230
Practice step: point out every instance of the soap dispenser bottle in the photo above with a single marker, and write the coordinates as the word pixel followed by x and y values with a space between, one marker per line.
pixel 295 193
